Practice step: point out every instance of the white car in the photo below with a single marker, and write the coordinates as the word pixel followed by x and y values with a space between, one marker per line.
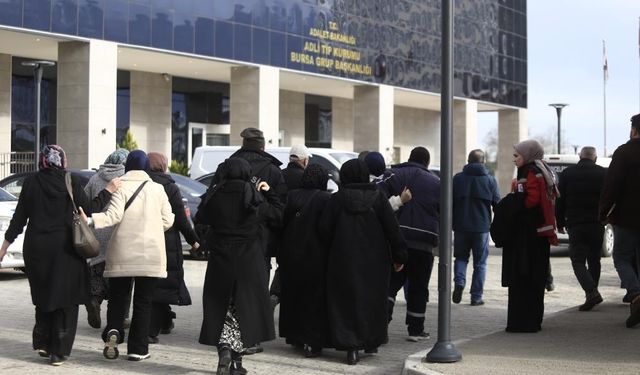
pixel 13 258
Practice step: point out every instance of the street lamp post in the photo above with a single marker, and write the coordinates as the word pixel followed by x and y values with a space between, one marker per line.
pixel 38 68
pixel 558 107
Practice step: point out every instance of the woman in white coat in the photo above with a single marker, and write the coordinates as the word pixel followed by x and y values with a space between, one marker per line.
pixel 141 212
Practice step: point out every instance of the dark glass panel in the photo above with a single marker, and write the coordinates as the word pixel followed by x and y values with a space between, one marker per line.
pixel 294 48
pixel 242 12
pixel 278 16
pixel 204 8
pixel 278 49
pixel 261 12
pixel 64 16
pixel 90 19
pixel 261 46
pixel 11 12
pixel 204 36
pixel 295 19
pixel 116 16
pixel 223 46
pixel 37 14
pixel 162 29
pixel 183 33
pixel 223 10
pixel 140 24
pixel 242 42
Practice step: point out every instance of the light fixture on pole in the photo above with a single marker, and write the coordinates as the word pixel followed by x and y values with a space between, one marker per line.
pixel 558 107
pixel 38 68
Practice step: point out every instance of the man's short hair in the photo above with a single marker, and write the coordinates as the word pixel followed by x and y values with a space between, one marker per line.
pixel 588 152
pixel 476 156
pixel 420 155
pixel 635 122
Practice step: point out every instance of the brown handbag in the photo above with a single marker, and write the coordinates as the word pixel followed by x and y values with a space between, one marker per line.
pixel 84 240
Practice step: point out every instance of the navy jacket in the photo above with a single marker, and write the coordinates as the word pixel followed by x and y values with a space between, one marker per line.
pixel 420 217
pixel 475 191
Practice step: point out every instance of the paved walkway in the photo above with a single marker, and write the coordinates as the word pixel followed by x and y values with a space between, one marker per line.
pixel 179 352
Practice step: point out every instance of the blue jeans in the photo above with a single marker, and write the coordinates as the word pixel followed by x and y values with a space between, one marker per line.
pixel 625 249
pixel 478 244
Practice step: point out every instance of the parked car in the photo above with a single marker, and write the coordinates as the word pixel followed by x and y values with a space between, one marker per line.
pixel 13 258
pixel 559 163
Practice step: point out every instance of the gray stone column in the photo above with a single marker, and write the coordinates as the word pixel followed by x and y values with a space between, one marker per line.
pixel 254 102
pixel 150 111
pixel 512 128
pixel 465 131
pixel 5 113
pixel 373 119
pixel 86 118
pixel 292 117
pixel 342 124
pixel 417 127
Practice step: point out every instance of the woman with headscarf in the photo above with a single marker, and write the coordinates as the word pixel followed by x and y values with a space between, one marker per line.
pixel 58 276
pixel 365 245
pixel 113 167
pixel 172 290
pixel 302 260
pixel 237 314
pixel 141 213
pixel 525 262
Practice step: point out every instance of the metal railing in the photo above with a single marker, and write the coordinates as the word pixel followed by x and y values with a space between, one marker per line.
pixel 16 162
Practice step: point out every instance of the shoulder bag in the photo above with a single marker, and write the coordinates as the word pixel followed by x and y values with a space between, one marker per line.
pixel 84 240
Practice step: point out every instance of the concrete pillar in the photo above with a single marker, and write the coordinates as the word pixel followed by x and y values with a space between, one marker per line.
pixel 150 111
pixel 5 114
pixel 342 124
pixel 254 102
pixel 373 119
pixel 292 117
pixel 416 127
pixel 465 131
pixel 512 128
pixel 86 117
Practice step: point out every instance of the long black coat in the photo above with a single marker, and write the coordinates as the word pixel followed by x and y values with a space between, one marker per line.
pixel 236 266
pixel 364 241
pixel 580 187
pixel 58 277
pixel 302 261
pixel 173 290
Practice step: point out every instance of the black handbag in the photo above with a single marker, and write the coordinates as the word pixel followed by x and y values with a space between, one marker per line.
pixel 84 240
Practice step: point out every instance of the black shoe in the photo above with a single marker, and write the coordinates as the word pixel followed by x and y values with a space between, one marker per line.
pixel 57 360
pixel 457 293
pixel 371 351
pixel 153 339
pixel 634 317
pixel 477 303
pixel 236 365
pixel 167 330
pixel 44 353
pixel 352 357
pixel 224 361
pixel 311 352
pixel 593 299
pixel 550 287
pixel 93 313
pixel 111 345
pixel 253 350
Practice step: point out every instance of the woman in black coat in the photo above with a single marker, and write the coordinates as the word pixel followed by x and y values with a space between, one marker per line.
pixel 302 261
pixel 237 313
pixel 58 276
pixel 172 290
pixel 365 245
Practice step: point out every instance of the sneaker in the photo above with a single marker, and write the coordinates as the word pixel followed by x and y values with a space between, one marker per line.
pixel 138 357
pixel 57 360
pixel 44 353
pixel 593 299
pixel 93 313
pixel 477 303
pixel 418 337
pixel 457 293
pixel 634 317
pixel 111 345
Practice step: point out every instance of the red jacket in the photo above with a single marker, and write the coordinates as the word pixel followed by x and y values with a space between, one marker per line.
pixel 535 189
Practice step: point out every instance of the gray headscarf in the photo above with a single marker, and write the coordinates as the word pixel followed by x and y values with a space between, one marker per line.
pixel 532 152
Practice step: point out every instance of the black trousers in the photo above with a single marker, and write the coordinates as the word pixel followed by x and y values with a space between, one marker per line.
pixel 161 317
pixel 55 331
pixel 119 288
pixel 585 245
pixel 415 277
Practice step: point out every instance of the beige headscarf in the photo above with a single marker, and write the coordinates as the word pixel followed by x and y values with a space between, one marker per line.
pixel 158 162
pixel 532 152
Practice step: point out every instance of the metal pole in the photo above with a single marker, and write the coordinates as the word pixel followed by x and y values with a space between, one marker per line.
pixel 559 112
pixel 444 351
pixel 38 77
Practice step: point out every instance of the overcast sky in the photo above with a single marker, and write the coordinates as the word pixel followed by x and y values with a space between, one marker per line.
pixel 565 65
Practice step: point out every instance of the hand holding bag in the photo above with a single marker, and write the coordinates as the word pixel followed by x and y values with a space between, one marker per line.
pixel 84 240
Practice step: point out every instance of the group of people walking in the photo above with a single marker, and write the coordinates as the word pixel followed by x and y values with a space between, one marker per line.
pixel 342 258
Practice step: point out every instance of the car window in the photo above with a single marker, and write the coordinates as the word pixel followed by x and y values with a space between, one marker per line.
pixel 342 157
pixel 206 180
pixel 14 187
pixel 189 187
pixel 6 197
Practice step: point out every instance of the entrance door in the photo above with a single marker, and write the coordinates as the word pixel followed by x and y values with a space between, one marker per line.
pixel 197 137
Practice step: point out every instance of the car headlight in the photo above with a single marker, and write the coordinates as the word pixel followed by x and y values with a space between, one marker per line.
pixel 4 223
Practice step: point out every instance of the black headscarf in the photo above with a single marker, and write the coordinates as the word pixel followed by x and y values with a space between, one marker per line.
pixel 315 176
pixel 233 169
pixel 137 160
pixel 354 171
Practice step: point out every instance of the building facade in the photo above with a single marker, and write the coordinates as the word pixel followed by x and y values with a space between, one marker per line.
pixel 348 74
